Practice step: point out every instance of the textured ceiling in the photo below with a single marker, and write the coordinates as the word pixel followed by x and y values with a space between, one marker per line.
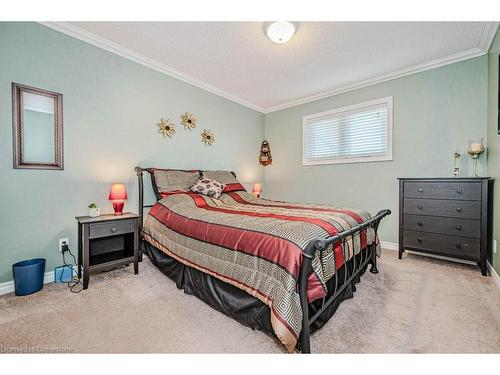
pixel 238 60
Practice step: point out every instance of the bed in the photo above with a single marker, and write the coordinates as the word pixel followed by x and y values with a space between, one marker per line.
pixel 279 267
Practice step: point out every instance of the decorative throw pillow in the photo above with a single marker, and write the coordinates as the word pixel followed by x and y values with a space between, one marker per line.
pixel 172 180
pixel 208 187
pixel 225 177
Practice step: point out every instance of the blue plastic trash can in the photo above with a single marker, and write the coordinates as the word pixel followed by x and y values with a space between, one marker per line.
pixel 28 276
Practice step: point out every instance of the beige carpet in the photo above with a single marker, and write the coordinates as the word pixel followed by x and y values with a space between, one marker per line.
pixel 414 305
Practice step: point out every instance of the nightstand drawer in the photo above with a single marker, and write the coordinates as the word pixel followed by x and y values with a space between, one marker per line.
pixel 114 228
pixel 443 190
pixel 464 248
pixel 443 207
pixel 443 225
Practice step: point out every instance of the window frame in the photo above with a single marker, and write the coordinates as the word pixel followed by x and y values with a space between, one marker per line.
pixel 388 101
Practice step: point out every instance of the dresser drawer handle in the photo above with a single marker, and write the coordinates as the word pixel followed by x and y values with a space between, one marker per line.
pixel 419 223
pixel 419 239
pixel 420 207
pixel 459 209
pixel 458 246
pixel 458 227
pixel 459 191
pixel 113 230
pixel 420 190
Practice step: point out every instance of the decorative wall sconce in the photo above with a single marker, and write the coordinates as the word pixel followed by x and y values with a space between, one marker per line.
pixel 265 157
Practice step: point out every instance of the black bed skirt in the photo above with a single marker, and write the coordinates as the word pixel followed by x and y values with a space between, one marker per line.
pixel 235 302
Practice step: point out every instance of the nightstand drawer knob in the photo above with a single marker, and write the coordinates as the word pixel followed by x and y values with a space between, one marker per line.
pixel 113 230
pixel 459 209
pixel 420 190
pixel 419 239
pixel 420 223
pixel 458 227
pixel 459 191
pixel 420 207
pixel 458 246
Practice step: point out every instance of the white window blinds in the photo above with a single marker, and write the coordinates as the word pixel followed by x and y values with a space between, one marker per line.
pixel 358 133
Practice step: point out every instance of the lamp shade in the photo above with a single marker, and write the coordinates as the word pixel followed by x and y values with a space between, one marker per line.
pixel 257 187
pixel 118 192
pixel 281 31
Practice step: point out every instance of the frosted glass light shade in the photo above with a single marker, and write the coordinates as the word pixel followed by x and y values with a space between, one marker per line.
pixel 281 31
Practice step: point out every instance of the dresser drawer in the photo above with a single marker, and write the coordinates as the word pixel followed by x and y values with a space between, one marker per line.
pixel 443 225
pixel 111 228
pixel 465 248
pixel 443 190
pixel 443 207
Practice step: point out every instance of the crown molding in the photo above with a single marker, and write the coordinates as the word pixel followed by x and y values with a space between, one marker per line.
pixel 450 59
pixel 489 33
pixel 103 43
pixel 117 49
pixel 487 37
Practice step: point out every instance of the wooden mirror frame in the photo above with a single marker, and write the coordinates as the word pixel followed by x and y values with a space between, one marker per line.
pixel 18 128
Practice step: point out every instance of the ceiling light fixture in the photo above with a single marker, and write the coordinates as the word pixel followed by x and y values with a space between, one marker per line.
pixel 281 31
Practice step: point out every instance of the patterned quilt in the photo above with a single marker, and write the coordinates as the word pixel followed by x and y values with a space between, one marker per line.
pixel 256 245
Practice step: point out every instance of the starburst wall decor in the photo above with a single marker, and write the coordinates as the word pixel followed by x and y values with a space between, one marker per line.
pixel 207 137
pixel 188 120
pixel 166 128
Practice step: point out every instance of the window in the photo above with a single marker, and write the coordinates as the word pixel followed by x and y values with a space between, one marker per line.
pixel 353 134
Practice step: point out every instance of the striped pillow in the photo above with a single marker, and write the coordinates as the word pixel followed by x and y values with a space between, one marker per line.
pixel 225 177
pixel 172 180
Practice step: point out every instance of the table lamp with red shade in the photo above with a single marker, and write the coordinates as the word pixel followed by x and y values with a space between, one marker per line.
pixel 118 194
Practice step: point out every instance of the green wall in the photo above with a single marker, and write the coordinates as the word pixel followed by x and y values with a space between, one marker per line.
pixel 111 107
pixel 494 139
pixel 435 113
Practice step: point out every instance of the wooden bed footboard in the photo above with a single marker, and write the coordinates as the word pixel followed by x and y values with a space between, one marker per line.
pixel 367 256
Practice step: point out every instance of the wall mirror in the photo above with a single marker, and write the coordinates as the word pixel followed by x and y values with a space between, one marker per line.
pixel 37 128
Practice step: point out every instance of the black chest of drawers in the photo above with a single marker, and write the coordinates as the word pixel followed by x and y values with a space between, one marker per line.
pixel 450 217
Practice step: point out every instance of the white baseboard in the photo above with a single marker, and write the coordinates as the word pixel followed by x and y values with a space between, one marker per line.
pixel 389 245
pixel 494 274
pixel 8 286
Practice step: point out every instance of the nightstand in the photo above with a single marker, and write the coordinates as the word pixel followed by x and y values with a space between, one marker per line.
pixel 107 241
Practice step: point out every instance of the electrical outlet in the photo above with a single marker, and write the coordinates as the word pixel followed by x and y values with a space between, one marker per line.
pixel 495 246
pixel 63 241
